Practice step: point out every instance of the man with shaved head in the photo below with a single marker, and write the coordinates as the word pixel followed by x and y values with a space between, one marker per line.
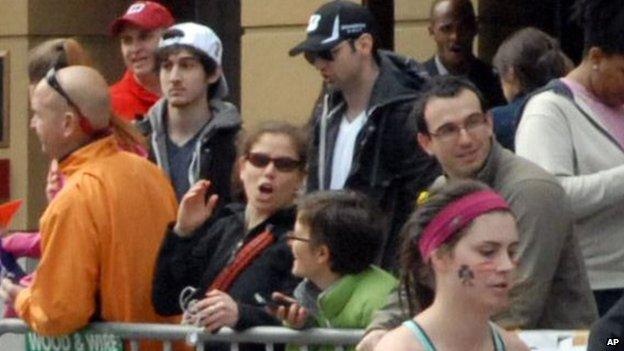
pixel 453 26
pixel 101 233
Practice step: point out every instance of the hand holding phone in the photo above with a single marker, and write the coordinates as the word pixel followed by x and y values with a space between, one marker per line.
pixel 287 309
pixel 269 302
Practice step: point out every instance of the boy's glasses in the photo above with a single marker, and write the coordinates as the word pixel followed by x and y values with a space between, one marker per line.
pixel 282 164
pixel 292 236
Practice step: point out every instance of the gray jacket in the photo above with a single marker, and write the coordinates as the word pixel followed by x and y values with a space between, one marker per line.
pixel 552 290
pixel 215 150
pixel 569 140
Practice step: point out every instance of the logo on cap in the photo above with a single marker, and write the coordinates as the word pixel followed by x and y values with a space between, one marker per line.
pixel 354 28
pixel 138 7
pixel 335 31
pixel 313 23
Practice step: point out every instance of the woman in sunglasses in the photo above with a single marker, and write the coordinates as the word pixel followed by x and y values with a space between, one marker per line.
pixel 209 268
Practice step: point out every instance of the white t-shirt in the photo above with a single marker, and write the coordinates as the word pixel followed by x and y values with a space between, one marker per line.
pixel 344 148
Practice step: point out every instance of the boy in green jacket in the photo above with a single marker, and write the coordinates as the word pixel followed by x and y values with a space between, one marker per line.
pixel 336 239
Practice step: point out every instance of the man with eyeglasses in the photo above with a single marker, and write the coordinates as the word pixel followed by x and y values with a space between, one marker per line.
pixel 361 137
pixel 552 290
pixel 101 233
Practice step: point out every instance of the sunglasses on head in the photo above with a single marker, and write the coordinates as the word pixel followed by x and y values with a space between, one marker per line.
pixel 52 80
pixel 282 164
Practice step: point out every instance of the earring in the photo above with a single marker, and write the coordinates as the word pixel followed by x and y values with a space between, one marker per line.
pixel 595 67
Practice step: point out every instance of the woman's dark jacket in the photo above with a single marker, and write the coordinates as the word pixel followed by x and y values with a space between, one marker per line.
pixel 196 261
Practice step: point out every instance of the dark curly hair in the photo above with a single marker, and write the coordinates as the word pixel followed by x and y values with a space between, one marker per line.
pixel 417 277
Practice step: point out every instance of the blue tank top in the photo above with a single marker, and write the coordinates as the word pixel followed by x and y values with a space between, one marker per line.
pixel 422 337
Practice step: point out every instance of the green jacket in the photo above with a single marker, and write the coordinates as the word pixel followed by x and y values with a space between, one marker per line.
pixel 349 303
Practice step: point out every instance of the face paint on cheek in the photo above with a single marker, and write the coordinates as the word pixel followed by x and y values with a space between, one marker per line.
pixel 466 275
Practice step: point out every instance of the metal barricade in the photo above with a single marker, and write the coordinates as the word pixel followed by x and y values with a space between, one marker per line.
pixel 167 333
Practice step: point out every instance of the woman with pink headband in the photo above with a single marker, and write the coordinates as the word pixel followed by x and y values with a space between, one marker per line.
pixel 458 262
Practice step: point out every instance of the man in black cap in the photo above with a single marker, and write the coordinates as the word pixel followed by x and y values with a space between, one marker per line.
pixel 361 136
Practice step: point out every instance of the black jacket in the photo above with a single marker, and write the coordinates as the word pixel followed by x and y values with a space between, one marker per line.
pixel 197 260
pixel 388 164
pixel 607 334
pixel 483 76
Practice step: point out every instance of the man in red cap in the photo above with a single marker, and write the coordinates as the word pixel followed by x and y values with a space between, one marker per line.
pixel 139 30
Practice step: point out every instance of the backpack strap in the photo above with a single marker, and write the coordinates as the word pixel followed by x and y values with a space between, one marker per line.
pixel 556 86
pixel 242 260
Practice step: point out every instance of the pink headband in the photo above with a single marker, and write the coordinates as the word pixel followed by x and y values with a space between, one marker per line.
pixel 455 216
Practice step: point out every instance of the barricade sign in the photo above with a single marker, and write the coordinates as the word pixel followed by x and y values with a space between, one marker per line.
pixel 84 340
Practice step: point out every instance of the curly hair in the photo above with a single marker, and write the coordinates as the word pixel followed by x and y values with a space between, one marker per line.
pixel 417 277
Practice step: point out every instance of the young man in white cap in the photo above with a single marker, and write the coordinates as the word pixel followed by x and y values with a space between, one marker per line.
pixel 365 142
pixel 192 130
pixel 139 30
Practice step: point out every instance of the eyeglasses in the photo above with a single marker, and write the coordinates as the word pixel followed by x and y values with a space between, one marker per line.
pixel 282 164
pixel 327 55
pixel 450 131
pixel 291 236
pixel 53 82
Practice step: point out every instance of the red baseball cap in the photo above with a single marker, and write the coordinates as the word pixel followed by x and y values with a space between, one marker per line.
pixel 145 14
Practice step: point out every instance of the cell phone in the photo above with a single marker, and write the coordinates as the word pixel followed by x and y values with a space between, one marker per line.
pixel 269 302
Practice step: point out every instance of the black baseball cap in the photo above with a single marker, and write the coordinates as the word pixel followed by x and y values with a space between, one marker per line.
pixel 333 23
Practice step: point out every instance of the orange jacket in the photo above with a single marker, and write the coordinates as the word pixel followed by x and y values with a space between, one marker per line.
pixel 100 238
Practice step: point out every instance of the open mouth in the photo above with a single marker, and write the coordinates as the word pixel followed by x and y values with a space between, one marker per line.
pixel 266 189
pixel 456 48
pixel 139 60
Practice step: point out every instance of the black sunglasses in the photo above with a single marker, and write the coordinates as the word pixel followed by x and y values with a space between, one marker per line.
pixel 311 56
pixel 282 164
pixel 327 54
pixel 53 82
